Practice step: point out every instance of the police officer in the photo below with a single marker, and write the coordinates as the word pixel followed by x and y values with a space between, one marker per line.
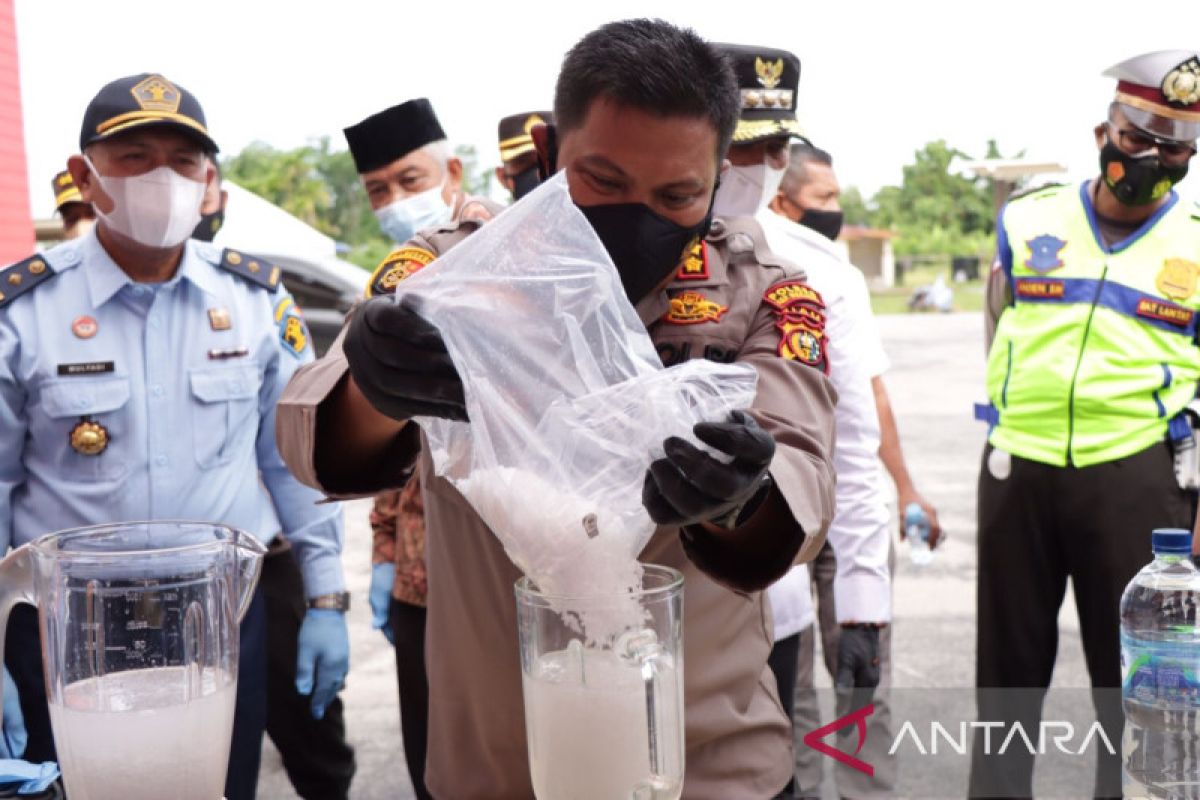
pixel 139 372
pixel 77 216
pixel 1094 301
pixel 644 113
pixel 859 535
pixel 403 160
pixel 518 170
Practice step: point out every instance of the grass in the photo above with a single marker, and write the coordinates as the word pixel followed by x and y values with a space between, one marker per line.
pixel 967 296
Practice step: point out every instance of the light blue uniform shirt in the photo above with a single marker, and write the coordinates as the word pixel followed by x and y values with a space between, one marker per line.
pixel 189 432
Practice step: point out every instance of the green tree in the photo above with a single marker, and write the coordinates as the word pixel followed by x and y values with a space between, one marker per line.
pixel 288 178
pixel 854 207
pixel 476 181
pixel 935 211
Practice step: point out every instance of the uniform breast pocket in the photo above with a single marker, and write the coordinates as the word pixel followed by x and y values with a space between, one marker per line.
pixel 225 412
pixel 83 428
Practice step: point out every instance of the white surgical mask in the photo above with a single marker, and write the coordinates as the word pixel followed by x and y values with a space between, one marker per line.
pixel 403 218
pixel 745 190
pixel 159 208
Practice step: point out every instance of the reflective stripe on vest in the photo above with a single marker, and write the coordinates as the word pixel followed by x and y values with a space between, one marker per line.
pixel 1098 350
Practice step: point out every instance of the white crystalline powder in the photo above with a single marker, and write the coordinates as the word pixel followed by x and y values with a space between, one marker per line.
pixel 566 545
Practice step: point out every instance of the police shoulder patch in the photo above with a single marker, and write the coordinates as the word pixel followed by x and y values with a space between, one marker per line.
pixel 396 267
pixel 293 333
pixel 251 268
pixel 23 276
pixel 800 318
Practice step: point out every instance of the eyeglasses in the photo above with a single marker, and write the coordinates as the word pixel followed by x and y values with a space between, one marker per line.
pixel 1135 142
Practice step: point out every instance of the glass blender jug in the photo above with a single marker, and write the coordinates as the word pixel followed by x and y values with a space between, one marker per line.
pixel 604 720
pixel 139 629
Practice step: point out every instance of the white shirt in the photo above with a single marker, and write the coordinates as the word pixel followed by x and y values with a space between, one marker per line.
pixel 860 530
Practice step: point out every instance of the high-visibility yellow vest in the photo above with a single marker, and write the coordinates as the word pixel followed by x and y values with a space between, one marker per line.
pixel 1098 351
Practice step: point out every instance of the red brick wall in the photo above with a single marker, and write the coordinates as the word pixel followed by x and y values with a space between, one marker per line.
pixel 16 222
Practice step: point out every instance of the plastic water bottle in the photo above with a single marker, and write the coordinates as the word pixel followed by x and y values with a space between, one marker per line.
pixel 1160 669
pixel 916 530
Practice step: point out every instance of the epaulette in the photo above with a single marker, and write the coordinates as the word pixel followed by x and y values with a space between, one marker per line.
pixel 251 268
pixel 23 276
pixel 1043 189
pixel 398 265
pixel 745 241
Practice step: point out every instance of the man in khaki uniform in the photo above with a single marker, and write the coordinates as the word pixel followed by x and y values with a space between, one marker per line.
pixel 645 114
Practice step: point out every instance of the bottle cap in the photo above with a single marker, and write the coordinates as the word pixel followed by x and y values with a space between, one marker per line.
pixel 1171 541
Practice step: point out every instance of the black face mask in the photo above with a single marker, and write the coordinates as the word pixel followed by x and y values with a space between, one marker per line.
pixel 826 223
pixel 525 182
pixel 1137 180
pixel 644 246
pixel 209 225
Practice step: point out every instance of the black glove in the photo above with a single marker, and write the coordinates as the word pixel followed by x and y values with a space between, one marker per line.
pixel 689 486
pixel 857 666
pixel 400 362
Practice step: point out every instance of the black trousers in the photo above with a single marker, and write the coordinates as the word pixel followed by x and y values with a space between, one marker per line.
pixel 1038 528
pixel 784 662
pixel 319 762
pixel 408 627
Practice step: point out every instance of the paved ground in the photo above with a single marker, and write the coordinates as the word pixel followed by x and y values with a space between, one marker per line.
pixel 937 374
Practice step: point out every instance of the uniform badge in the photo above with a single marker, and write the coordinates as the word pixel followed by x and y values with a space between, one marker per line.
pixel 691 308
pixel 218 319
pixel 799 342
pixel 800 318
pixel 293 333
pixel 156 93
pixel 89 438
pixel 769 73
pixel 396 267
pixel 1177 278
pixel 1044 253
pixel 1182 84
pixel 84 327
pixel 695 264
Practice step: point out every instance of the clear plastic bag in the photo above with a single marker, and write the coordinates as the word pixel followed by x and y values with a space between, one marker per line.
pixel 568 400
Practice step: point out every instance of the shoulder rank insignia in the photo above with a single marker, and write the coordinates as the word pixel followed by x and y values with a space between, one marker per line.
pixel 695 264
pixel 251 268
pixel 800 318
pixel 692 308
pixel 293 333
pixel 1044 253
pixel 396 267
pixel 19 278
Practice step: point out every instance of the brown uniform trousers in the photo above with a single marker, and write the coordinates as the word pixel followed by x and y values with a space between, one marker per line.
pixel 732 301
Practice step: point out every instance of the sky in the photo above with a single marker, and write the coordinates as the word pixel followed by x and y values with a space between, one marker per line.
pixel 878 79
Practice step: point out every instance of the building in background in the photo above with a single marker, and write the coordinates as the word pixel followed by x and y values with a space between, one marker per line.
pixel 16 221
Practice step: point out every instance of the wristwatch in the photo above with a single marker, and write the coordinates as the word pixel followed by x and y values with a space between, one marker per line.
pixel 337 601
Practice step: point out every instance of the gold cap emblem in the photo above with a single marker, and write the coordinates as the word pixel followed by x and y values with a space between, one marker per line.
pixel 769 73
pixel 156 93
pixel 1182 84
pixel 89 438
pixel 534 119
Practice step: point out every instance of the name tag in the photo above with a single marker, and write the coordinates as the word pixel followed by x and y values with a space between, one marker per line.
pixel 86 368
pixel 1041 290
pixel 1164 312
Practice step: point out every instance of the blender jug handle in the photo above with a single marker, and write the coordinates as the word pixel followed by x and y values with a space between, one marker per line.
pixel 642 648
pixel 16 586
pixel 248 556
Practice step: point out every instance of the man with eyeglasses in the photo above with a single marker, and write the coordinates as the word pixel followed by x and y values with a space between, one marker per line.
pixel 1092 318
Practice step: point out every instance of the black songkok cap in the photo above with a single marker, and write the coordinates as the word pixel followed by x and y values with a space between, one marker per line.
pixel 392 134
